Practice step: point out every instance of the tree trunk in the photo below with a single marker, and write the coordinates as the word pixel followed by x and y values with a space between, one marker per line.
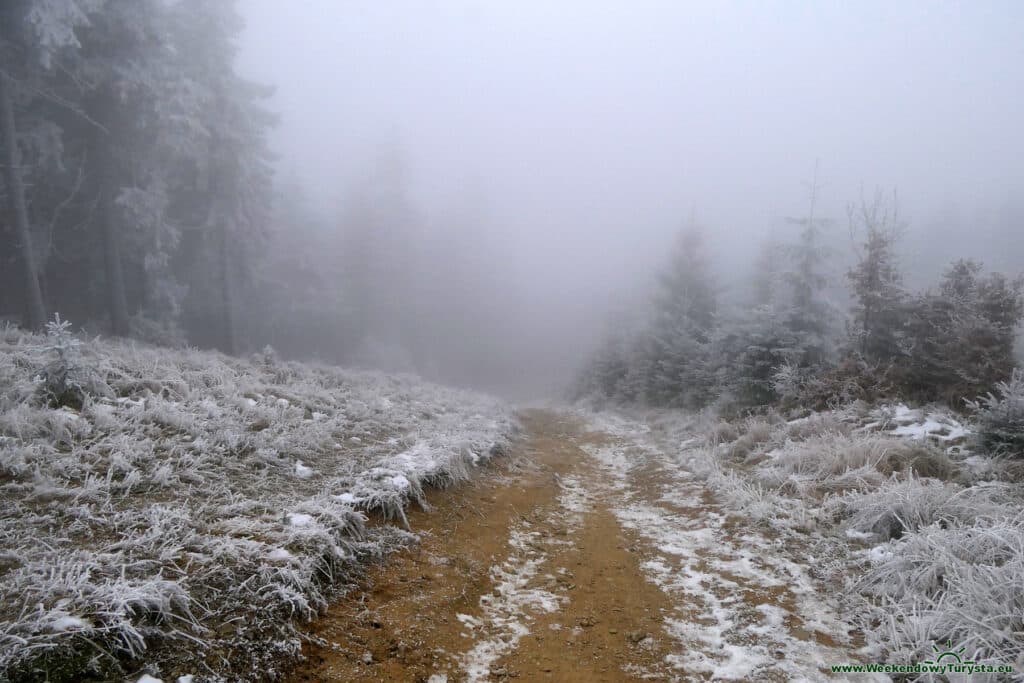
pixel 117 301
pixel 227 295
pixel 217 221
pixel 36 310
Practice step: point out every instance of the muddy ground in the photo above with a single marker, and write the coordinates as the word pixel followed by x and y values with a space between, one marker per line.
pixel 580 557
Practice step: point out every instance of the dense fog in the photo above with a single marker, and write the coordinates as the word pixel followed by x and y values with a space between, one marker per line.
pixel 666 339
pixel 480 191
pixel 572 140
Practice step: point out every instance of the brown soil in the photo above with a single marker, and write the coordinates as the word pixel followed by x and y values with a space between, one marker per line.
pixel 532 542
pixel 402 624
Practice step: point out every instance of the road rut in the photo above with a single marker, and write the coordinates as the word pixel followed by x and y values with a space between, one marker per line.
pixel 586 555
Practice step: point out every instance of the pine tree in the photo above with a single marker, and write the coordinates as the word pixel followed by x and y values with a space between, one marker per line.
pixel 750 347
pixel 124 50
pixel 959 341
pixel 685 309
pixel 876 281
pixel 808 314
pixel 15 190
pixel 767 277
pixel 139 163
pixel 30 34
pixel 229 203
pixel 382 237
pixel 604 376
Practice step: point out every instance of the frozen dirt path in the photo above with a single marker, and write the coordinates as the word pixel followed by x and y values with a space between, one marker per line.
pixel 587 555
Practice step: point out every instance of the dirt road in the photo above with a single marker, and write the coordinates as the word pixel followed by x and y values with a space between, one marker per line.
pixel 588 555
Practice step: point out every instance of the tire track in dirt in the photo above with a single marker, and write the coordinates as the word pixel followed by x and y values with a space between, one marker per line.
pixel 584 556
pixel 747 606
pixel 520 574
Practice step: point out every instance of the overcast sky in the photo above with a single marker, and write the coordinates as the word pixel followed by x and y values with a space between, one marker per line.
pixel 589 130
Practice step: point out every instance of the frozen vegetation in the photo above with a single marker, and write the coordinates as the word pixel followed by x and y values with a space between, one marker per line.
pixel 905 508
pixel 422 193
pixel 804 388
pixel 175 512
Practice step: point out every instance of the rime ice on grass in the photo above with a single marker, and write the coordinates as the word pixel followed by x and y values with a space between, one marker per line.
pixel 196 504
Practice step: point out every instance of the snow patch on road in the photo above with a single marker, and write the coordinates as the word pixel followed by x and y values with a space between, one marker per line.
pixel 508 610
pixel 743 610
pixel 574 499
pixel 613 461
pixel 511 605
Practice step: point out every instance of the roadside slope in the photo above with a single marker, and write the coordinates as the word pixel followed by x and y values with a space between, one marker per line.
pixel 176 512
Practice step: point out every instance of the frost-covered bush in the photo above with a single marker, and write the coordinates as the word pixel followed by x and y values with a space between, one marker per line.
pixel 928 551
pixel 826 450
pixel 958 341
pixel 756 500
pixel 833 386
pixel 1000 418
pixel 721 432
pixel 955 581
pixel 755 432
pixel 816 424
pixel 740 439
pixel 829 456
pixel 900 506
pixel 67 380
pixel 852 379
pixel 188 514
pixel 788 380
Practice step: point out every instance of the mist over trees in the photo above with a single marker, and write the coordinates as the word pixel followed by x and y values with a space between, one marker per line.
pixel 138 173
pixel 253 253
pixel 789 343
pixel 139 185
pixel 140 199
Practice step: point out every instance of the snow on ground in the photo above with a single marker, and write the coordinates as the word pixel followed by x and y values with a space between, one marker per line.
pixel 900 420
pixel 203 501
pixel 918 539
pixel 745 609
pixel 511 606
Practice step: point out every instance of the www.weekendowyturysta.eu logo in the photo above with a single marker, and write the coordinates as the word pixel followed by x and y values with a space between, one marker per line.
pixel 947 659
pixel 949 655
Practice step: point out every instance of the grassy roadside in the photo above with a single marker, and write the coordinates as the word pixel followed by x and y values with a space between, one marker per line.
pixel 174 512
pixel 901 509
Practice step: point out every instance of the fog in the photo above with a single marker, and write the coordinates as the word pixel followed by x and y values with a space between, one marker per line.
pixel 571 140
